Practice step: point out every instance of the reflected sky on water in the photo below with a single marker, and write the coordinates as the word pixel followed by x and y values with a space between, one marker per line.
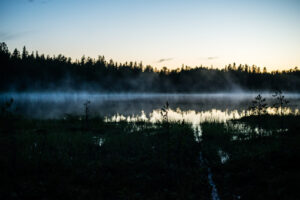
pixel 192 108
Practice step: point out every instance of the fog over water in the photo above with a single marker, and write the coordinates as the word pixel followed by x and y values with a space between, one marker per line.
pixel 193 108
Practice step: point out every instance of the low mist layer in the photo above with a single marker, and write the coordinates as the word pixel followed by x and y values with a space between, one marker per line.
pixel 188 107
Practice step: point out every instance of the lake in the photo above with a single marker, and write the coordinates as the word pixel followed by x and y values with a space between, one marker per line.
pixel 193 108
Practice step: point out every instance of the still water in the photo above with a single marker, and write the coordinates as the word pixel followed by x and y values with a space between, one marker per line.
pixel 193 108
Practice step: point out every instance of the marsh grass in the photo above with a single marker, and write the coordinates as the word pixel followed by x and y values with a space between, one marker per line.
pixel 261 167
pixel 57 159
pixel 287 123
pixel 84 157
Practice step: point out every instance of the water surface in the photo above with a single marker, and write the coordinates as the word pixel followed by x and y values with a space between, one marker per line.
pixel 194 108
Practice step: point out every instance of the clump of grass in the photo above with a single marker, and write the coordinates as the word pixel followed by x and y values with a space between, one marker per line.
pixel 272 123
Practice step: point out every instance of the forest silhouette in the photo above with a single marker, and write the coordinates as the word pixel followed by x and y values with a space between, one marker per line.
pixel 24 71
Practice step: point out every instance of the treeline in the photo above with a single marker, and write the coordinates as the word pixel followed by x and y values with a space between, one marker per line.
pixel 23 71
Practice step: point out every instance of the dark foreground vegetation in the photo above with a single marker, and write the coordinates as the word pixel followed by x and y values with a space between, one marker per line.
pixel 255 157
pixel 87 158
pixel 24 71
pixel 72 159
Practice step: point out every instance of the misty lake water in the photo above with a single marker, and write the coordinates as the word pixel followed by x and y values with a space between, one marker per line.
pixel 193 108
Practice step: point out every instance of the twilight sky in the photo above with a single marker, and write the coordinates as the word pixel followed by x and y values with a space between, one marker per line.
pixel 158 32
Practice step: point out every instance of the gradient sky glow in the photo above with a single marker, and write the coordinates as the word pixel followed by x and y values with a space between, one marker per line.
pixel 158 32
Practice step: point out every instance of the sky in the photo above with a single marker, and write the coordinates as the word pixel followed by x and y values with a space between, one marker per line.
pixel 160 33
